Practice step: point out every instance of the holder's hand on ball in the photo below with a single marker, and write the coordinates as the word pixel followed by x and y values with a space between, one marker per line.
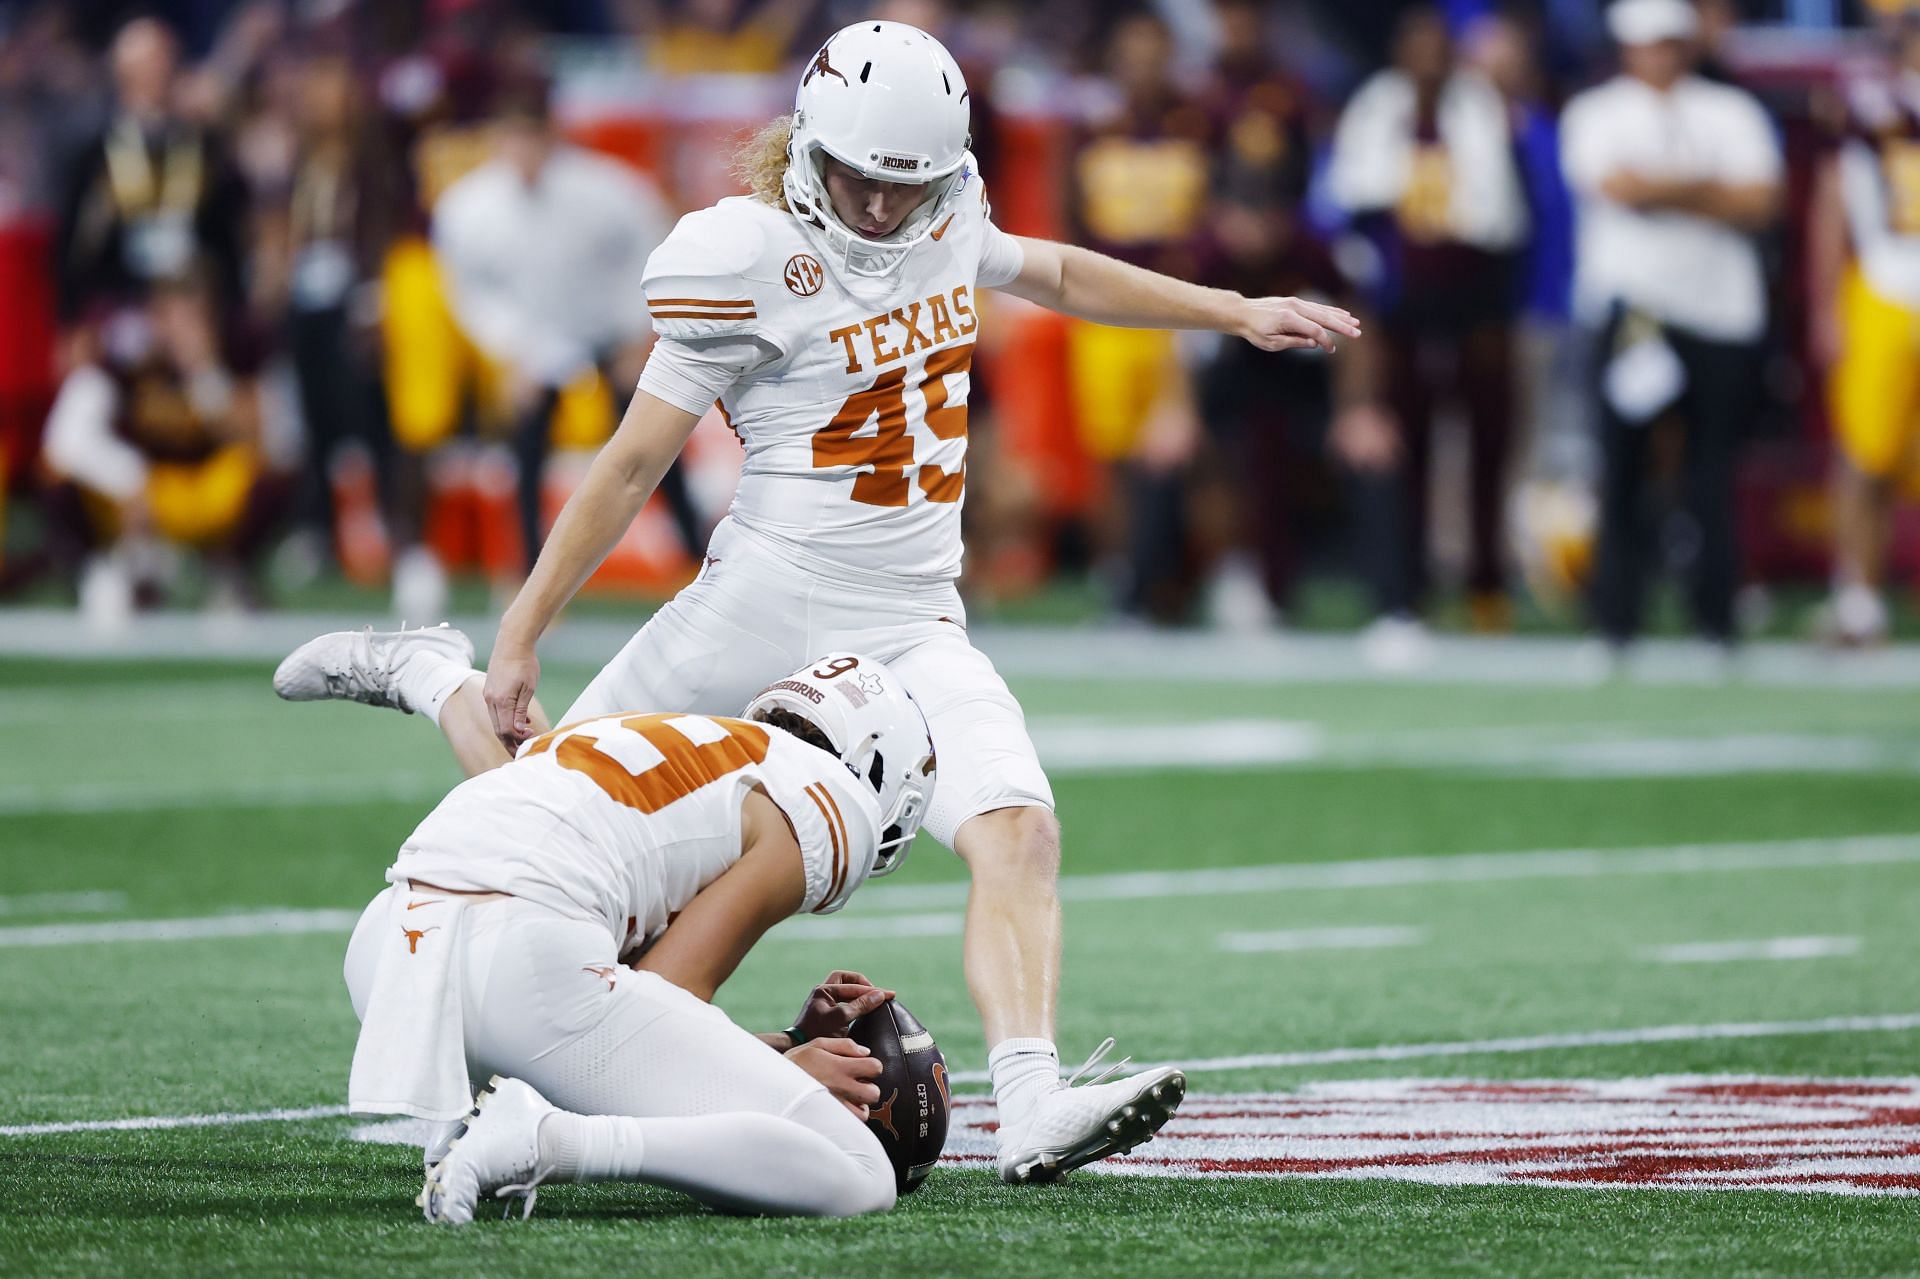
pixel 846 1068
pixel 834 1004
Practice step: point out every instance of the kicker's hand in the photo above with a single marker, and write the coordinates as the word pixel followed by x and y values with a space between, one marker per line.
pixel 846 1069
pixel 1286 324
pixel 511 678
pixel 836 1003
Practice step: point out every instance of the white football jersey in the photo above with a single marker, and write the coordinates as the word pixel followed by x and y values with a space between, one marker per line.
pixel 624 818
pixel 850 395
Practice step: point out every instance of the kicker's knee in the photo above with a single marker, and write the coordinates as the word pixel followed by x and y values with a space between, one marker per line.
pixel 1012 843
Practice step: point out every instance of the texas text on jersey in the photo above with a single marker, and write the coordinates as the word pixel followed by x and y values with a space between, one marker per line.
pixel 849 393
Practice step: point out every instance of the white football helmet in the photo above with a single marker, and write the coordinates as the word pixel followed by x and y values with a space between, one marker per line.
pixel 888 101
pixel 874 726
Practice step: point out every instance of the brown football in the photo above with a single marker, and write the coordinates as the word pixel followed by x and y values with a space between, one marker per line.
pixel 911 1119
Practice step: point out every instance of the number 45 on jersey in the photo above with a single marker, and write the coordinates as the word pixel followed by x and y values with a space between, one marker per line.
pixel 889 450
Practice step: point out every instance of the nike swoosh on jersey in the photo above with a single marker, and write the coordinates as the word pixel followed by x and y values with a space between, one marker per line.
pixel 942 228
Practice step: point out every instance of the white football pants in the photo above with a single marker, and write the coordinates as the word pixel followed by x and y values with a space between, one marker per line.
pixel 709 1109
pixel 753 616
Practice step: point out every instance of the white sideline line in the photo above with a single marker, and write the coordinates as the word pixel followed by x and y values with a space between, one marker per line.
pixel 1456 868
pixel 145 1123
pixel 1528 1043
pixel 1384 1052
pixel 1296 939
pixel 1723 952
pixel 262 923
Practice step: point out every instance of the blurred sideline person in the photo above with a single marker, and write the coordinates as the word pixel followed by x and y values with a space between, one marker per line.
pixel 152 196
pixel 1266 412
pixel 1865 261
pixel 832 314
pixel 672 842
pixel 1674 176
pixel 543 248
pixel 344 206
pixel 1137 192
pixel 725 37
pixel 155 438
pixel 1423 161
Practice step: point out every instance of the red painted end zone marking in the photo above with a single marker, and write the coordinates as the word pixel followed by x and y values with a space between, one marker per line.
pixel 1678 1132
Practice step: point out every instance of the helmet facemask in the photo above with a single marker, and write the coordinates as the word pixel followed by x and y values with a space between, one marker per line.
pixel 901 822
pixel 810 201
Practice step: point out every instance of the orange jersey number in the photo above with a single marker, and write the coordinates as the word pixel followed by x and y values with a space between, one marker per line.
pixel 647 762
pixel 889 450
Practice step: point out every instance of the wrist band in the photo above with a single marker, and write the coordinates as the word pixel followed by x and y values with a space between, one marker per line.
pixel 796 1036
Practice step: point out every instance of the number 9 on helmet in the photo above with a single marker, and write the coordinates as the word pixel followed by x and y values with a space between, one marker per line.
pixel 858 711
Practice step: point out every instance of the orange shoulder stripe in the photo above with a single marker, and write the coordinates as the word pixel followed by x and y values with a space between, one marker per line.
pixel 839 851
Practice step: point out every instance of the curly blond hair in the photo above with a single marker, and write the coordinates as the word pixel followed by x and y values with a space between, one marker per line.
pixel 761 161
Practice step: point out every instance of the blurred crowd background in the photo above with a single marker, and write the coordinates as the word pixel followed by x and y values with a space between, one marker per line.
pixel 304 301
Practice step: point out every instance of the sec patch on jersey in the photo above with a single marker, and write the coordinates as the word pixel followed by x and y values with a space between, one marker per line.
pixel 911 1117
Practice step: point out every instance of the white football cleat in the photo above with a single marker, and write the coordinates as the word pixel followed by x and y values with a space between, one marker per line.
pixel 1073 1126
pixel 496 1153
pixel 364 666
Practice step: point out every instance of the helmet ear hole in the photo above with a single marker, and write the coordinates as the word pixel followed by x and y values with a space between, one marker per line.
pixel 876 775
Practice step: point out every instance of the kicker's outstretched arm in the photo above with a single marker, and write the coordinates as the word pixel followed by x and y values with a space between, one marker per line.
pixel 621 479
pixel 1092 286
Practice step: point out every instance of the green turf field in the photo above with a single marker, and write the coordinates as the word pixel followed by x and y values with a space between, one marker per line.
pixel 1361 882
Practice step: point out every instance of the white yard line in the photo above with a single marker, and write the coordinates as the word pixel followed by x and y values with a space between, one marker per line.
pixel 74 903
pixel 288 923
pixel 918 921
pixel 1085 652
pixel 1726 952
pixel 1194 1066
pixel 1457 868
pixel 146 1123
pixel 1287 940
pixel 1079 745
pixel 118 797
pixel 933 924
pixel 1084 745
pixel 1529 1043
pixel 262 923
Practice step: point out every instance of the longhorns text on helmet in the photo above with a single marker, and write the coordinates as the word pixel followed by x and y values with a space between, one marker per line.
pixel 876 729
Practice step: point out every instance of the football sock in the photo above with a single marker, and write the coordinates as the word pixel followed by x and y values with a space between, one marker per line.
pixel 590 1147
pixel 745 1161
pixel 1023 1071
pixel 427 679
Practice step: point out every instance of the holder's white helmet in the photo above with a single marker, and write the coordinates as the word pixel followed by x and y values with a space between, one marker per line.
pixel 866 718
pixel 888 101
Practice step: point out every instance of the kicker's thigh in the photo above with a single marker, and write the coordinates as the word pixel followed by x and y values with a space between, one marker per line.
pixel 709 650
pixel 985 758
